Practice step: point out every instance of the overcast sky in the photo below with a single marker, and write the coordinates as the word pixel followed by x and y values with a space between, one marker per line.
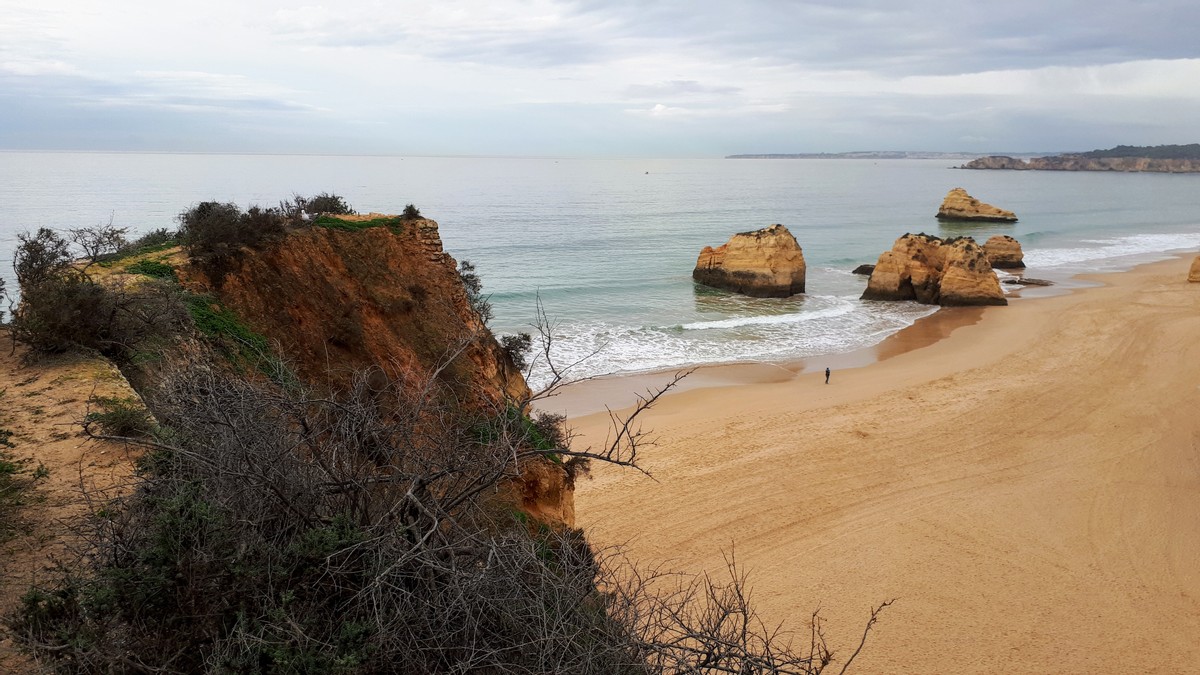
pixel 597 77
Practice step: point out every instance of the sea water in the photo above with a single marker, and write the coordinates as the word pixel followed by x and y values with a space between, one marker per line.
pixel 606 247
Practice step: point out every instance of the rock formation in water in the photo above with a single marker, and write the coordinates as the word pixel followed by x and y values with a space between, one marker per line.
pixel 1027 281
pixel 864 270
pixel 1194 273
pixel 958 205
pixel 766 263
pixel 1004 252
pixel 929 270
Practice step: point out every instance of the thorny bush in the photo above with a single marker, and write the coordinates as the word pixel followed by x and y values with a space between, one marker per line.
pixel 278 531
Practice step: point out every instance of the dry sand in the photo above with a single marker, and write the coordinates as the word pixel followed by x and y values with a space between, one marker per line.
pixel 1027 488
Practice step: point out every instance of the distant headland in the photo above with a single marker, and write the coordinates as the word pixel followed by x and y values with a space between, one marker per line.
pixel 869 154
pixel 1158 158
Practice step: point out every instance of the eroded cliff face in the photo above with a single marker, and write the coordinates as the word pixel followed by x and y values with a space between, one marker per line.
pixel 958 205
pixel 1004 252
pixel 336 301
pixel 1194 272
pixel 766 263
pixel 921 267
pixel 1077 163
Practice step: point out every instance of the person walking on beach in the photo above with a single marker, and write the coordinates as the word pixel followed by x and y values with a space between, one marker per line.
pixel 826 376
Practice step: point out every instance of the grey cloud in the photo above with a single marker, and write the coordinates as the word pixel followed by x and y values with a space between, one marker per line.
pixel 677 88
pixel 919 36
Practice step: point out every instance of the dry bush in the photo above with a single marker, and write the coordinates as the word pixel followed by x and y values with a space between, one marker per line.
pixel 214 233
pixel 63 309
pixel 281 531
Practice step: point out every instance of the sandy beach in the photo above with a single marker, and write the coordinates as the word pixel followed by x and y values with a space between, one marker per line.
pixel 1023 480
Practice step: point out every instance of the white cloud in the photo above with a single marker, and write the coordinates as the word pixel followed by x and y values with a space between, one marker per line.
pixel 861 71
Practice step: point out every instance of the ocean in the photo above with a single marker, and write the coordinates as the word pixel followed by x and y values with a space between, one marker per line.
pixel 607 246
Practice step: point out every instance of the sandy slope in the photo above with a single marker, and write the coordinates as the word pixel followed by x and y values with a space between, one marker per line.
pixel 42 405
pixel 1028 488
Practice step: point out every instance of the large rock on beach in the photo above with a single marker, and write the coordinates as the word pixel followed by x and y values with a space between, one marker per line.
pixel 1194 273
pixel 958 205
pixel 1004 252
pixel 766 263
pixel 925 268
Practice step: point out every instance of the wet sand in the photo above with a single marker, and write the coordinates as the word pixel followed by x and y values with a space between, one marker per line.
pixel 1025 480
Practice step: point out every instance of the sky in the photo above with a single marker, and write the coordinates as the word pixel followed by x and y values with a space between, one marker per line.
pixel 593 78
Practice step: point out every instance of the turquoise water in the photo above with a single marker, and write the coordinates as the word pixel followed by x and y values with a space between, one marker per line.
pixel 608 245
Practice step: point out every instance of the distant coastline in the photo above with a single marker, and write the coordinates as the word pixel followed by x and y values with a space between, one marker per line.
pixel 1124 158
pixel 869 154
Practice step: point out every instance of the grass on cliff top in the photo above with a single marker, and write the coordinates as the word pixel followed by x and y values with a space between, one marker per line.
pixel 157 269
pixel 223 327
pixel 393 223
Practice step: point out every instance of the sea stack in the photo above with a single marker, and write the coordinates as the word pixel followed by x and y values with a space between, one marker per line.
pixel 1194 273
pixel 766 263
pixel 932 271
pixel 1004 252
pixel 958 205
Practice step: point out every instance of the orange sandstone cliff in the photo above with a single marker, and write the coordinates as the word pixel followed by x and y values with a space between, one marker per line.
pixel 336 301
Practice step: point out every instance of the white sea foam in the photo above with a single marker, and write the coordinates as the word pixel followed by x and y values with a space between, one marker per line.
pixel 847 325
pixel 844 306
pixel 1111 251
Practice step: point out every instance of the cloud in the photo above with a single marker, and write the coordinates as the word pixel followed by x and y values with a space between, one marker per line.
pixel 621 76
pixel 678 89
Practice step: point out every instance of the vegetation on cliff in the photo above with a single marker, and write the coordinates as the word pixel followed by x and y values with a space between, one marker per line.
pixel 361 511
pixel 1189 151
pixel 1127 158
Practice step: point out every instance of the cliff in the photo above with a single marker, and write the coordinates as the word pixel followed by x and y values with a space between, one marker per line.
pixel 958 205
pixel 1082 163
pixel 766 263
pixel 337 300
pixel 1194 272
pixel 932 271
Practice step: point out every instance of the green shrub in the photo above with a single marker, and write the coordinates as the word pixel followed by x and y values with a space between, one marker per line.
pixel 411 212
pixel 226 330
pixel 328 203
pixel 152 268
pixel 214 233
pixel 41 256
pixel 335 223
pixel 121 417
pixel 517 348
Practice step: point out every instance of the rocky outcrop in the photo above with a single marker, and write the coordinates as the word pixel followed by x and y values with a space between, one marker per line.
pixel 1194 273
pixel 864 270
pixel 766 263
pixel 958 205
pixel 1004 252
pixel 933 271
pixel 337 300
pixel 1026 281
pixel 1078 163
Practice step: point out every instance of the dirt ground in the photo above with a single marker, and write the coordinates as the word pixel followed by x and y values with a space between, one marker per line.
pixel 43 404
